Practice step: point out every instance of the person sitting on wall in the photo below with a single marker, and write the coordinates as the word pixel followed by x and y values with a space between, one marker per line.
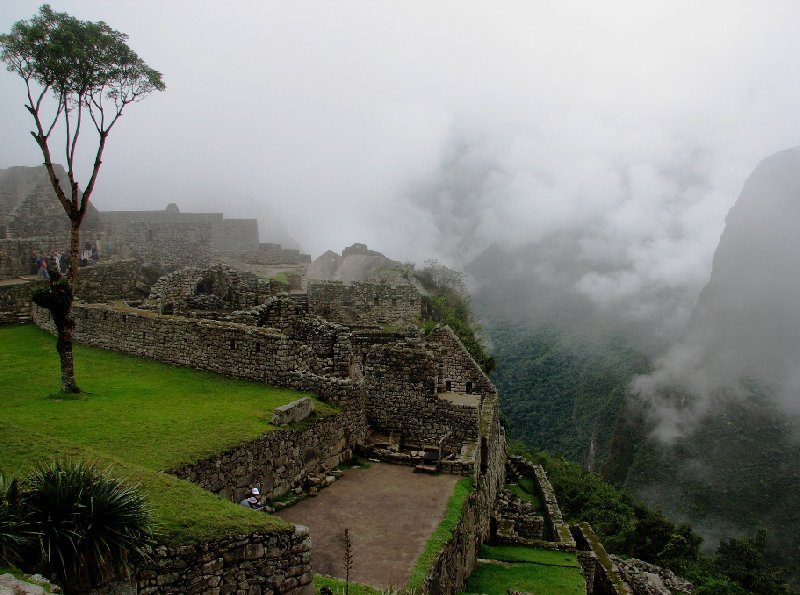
pixel 252 501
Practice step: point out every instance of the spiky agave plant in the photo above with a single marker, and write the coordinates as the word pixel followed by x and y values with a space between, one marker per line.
pixel 15 531
pixel 91 523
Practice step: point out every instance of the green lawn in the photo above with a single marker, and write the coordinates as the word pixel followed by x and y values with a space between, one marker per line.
pixel 527 569
pixel 139 416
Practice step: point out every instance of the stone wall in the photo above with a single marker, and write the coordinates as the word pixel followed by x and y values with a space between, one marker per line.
pixel 232 349
pixel 280 460
pixel 517 520
pixel 599 572
pixel 15 301
pixel 279 312
pixel 400 397
pixel 556 529
pixel 236 235
pixel 16 254
pixel 363 304
pixel 212 288
pixel 109 280
pixel 255 564
pixel 169 245
pixel 456 560
pixel 268 253
pixel 460 372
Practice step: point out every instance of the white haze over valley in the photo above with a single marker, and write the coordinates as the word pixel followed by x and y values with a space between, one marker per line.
pixel 437 129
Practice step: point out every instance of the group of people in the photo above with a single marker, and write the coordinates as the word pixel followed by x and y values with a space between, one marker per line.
pixel 45 263
pixel 253 501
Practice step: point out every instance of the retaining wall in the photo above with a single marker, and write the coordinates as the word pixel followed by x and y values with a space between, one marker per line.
pixel 280 460
pixel 255 564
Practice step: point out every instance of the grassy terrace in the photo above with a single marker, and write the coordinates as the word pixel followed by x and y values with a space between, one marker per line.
pixel 139 416
pixel 521 568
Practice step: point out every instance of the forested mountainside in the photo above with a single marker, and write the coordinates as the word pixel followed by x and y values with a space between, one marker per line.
pixel 562 393
pixel 705 430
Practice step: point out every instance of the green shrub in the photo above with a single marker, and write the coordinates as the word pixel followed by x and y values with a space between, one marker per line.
pixel 15 533
pixel 91 524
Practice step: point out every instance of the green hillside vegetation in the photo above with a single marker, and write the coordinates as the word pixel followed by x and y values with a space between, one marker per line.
pixel 138 417
pixel 447 303
pixel 739 469
pixel 561 394
pixel 628 528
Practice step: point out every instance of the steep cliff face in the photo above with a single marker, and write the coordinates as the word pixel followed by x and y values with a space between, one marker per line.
pixel 747 319
pixel 722 407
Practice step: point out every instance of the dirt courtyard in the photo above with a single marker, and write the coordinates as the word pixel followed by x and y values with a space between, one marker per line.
pixel 390 511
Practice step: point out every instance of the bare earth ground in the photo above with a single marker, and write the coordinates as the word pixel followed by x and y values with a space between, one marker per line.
pixel 390 511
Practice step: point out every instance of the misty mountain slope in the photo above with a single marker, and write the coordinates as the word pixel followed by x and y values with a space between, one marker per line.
pixel 720 447
pixel 562 393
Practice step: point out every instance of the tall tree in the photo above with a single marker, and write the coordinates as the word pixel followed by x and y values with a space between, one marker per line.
pixel 72 69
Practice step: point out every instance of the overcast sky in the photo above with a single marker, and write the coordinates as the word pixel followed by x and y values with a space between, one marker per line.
pixel 639 120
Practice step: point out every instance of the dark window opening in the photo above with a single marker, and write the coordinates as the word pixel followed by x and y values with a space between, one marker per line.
pixel 448 386
pixel 469 388
pixel 233 344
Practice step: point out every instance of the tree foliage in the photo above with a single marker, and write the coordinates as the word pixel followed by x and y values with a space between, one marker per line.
pixel 86 68
pixel 74 70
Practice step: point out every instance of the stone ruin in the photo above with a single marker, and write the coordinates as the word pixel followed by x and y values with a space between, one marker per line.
pixel 31 219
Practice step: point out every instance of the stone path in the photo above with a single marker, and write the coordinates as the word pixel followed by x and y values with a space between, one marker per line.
pixel 390 511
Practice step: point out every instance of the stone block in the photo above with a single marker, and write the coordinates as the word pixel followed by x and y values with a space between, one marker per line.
pixel 293 412
pixel 254 551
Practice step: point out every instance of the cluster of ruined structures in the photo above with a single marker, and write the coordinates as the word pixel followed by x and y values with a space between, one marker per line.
pixel 405 396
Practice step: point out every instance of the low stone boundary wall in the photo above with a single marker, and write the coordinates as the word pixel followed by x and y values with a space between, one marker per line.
pixel 599 572
pixel 15 301
pixel 255 564
pixel 280 460
pixel 517 520
pixel 226 348
pixel 557 530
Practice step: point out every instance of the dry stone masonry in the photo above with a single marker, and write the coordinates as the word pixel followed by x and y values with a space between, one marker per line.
pixel 256 564
pixel 365 304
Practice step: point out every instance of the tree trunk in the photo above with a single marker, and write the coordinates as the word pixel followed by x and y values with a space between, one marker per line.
pixel 64 348
pixel 74 253
pixel 58 299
